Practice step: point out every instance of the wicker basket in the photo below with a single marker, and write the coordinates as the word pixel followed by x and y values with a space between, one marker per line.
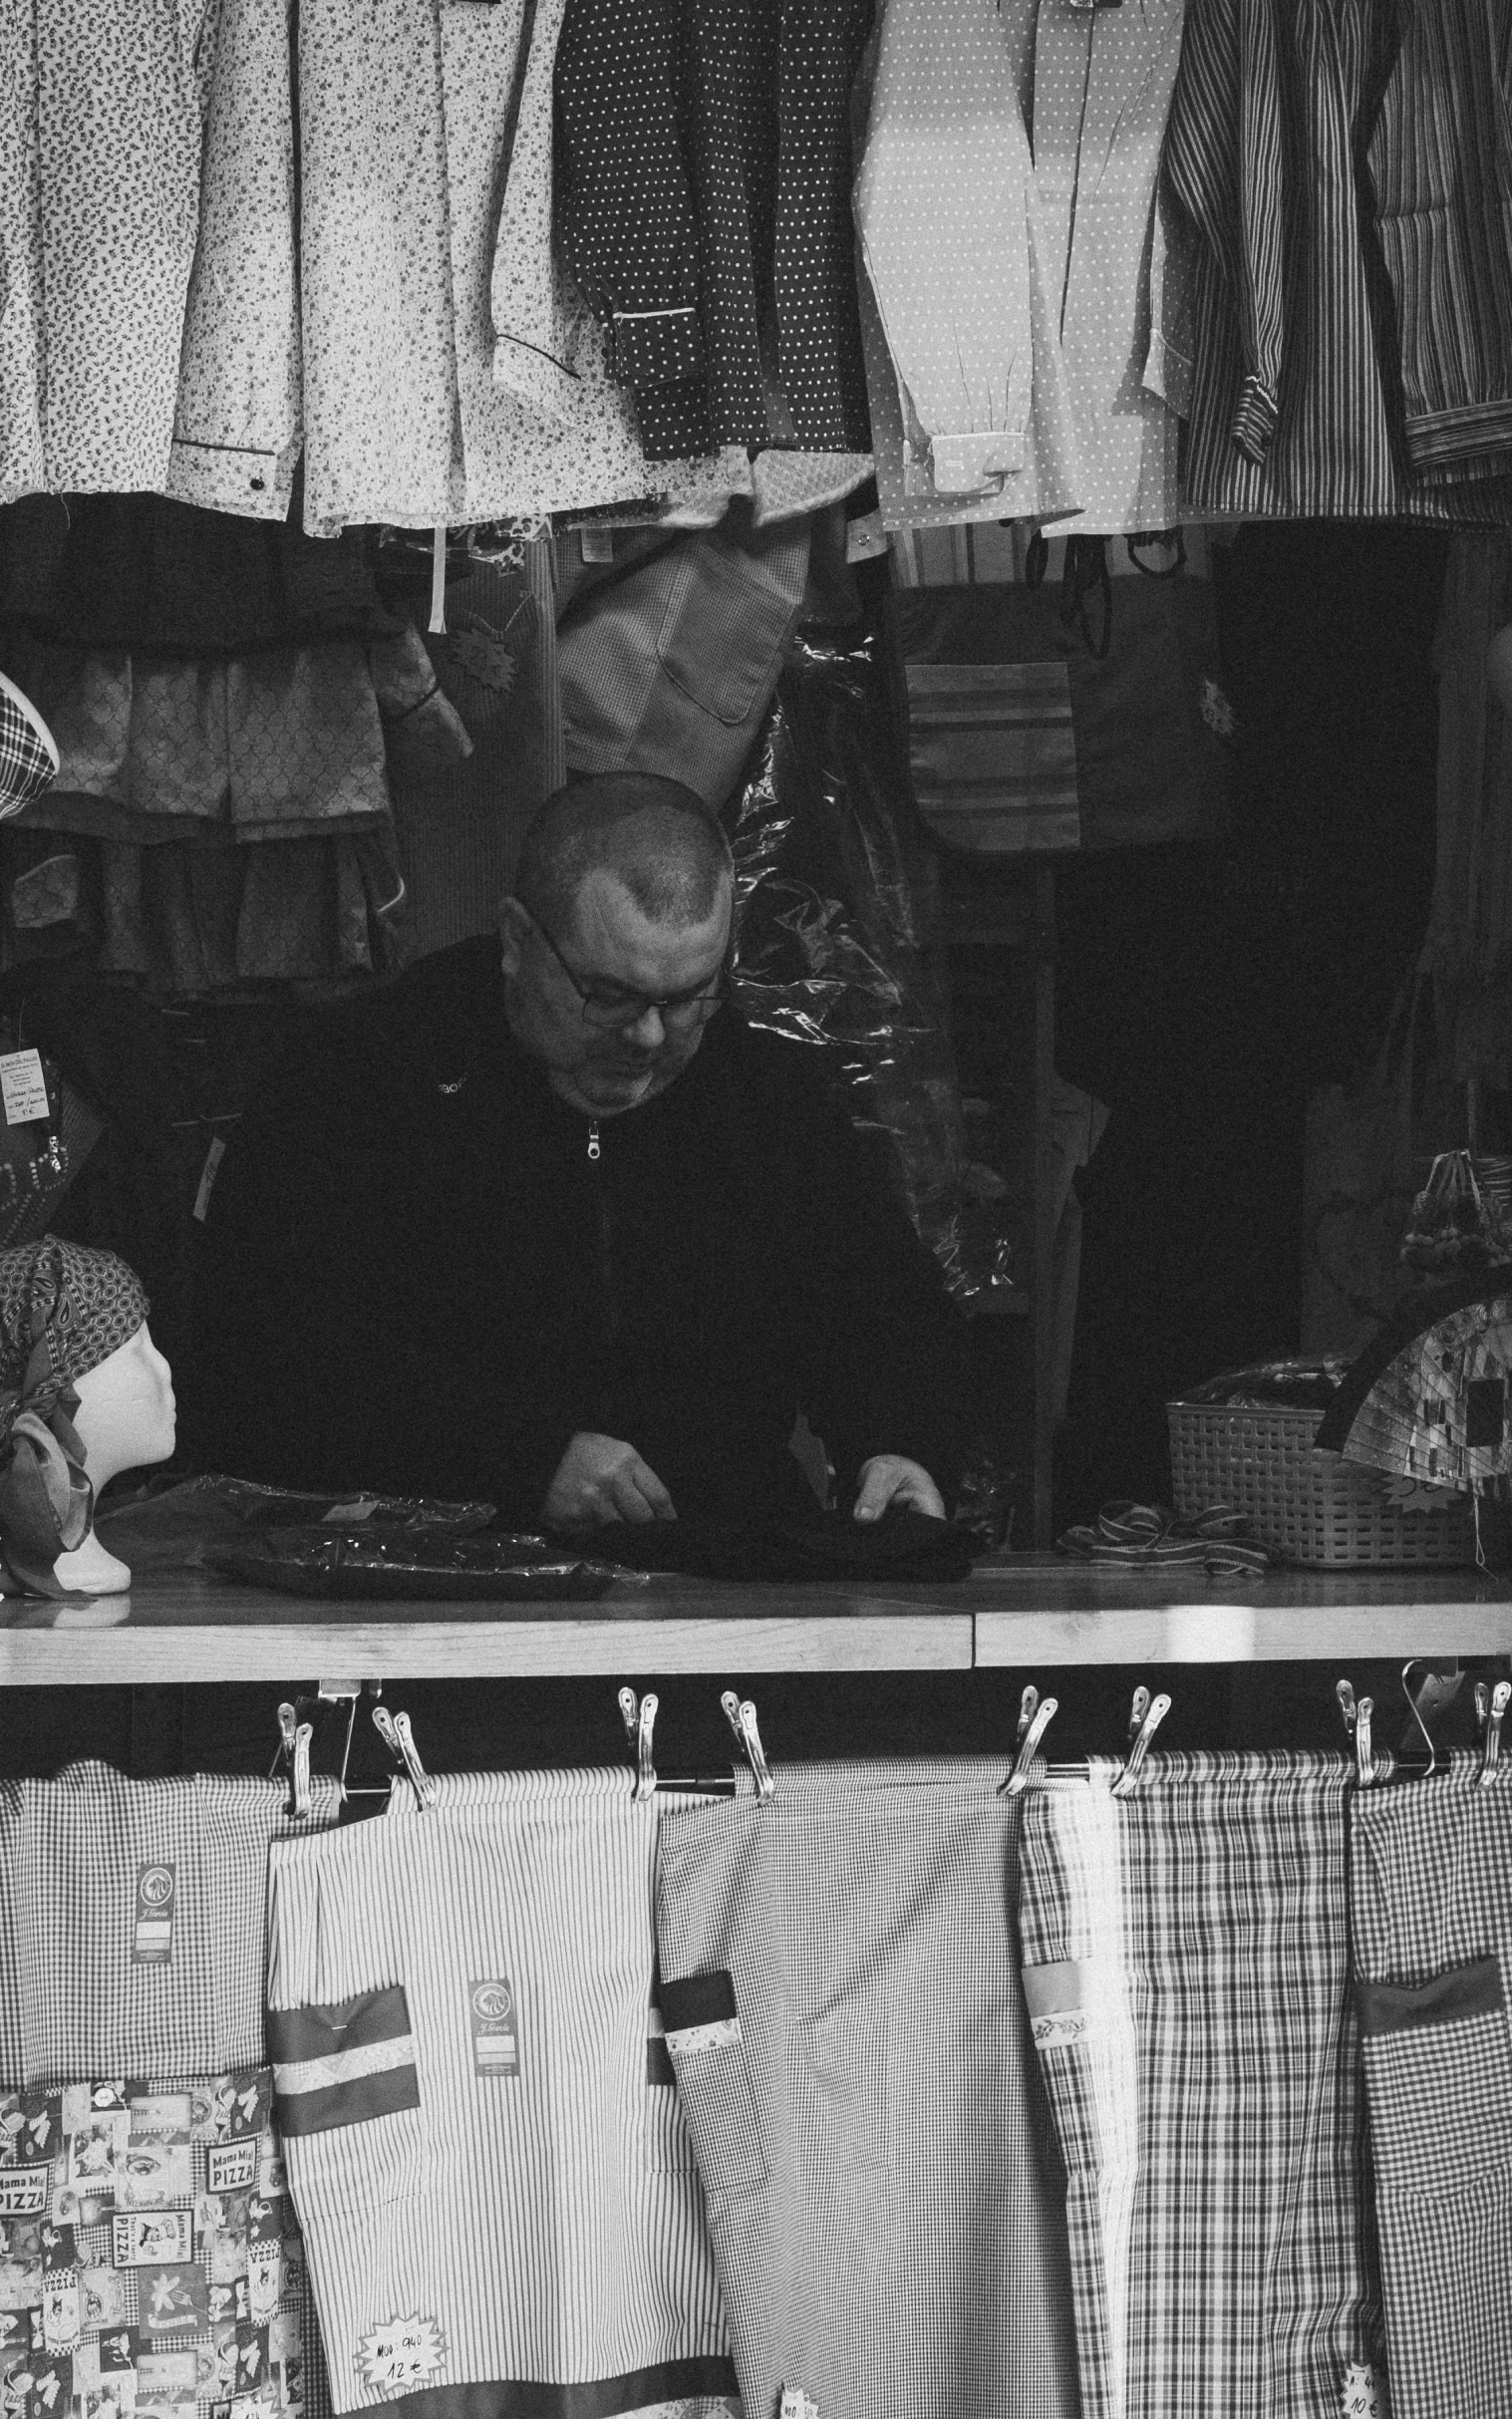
pixel 1306 1506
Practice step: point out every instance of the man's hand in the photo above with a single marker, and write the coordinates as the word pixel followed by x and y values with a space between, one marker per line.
pixel 601 1479
pixel 888 1479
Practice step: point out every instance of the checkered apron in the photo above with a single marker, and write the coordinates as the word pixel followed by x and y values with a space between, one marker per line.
pixel 1431 1894
pixel 494 2181
pixel 1185 1969
pixel 841 2005
pixel 132 1921
pixel 151 2262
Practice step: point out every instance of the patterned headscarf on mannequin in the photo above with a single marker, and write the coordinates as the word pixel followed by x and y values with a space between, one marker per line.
pixel 62 1311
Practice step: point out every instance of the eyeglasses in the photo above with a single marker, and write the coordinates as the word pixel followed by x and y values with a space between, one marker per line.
pixel 613 1005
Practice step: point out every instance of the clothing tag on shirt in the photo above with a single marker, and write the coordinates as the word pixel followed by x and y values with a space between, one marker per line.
pixel 23 1086
pixel 496 2039
pixel 796 2405
pixel 597 546
pixel 157 1904
pixel 865 538
pixel 208 1176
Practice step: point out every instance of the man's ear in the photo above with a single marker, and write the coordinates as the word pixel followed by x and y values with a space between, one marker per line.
pixel 513 930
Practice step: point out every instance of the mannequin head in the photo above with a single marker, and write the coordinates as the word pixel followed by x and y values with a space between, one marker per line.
pixel 125 1419
pixel 126 1415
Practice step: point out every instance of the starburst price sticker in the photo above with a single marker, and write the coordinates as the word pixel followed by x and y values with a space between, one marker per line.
pixel 401 2355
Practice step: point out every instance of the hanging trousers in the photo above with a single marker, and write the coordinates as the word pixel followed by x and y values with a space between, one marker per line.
pixel 1186 1974
pixel 842 2007
pixel 1431 1889
pixel 497 2190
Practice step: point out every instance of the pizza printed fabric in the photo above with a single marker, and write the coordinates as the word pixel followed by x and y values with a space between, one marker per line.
pixel 150 2263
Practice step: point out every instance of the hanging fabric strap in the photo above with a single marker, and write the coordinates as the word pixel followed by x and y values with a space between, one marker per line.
pixel 439 581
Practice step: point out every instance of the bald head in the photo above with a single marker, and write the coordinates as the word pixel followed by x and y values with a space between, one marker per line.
pixel 651 835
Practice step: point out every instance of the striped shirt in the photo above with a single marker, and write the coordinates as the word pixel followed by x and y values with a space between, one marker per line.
pixel 1442 163
pixel 1292 416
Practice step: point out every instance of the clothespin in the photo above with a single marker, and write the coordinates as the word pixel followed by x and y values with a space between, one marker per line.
pixel 741 1715
pixel 395 1732
pixel 1501 1697
pixel 1365 1761
pixel 1146 1717
pixel 294 1738
pixel 640 1722
pixel 1347 1704
pixel 1035 1717
pixel 1428 1694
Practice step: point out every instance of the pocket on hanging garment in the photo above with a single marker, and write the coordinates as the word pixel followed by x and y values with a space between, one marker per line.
pixel 992 753
pixel 712 2063
pixel 347 2091
pixel 725 623
pixel 668 2143
pixel 1438 2076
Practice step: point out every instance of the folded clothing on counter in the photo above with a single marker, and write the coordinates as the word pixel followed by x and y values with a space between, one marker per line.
pixel 1145 1536
pixel 900 1545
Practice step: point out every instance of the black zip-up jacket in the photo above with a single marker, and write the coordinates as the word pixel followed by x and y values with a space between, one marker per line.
pixel 423 1272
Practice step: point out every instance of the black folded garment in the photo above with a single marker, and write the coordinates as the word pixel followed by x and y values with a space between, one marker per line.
pixel 900 1545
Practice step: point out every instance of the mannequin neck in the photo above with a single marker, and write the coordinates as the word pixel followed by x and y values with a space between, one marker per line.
pixel 91 1571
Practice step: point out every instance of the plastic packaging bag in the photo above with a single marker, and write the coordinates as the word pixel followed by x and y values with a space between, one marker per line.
pixel 837 900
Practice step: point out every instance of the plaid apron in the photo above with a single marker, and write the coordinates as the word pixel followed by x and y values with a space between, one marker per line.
pixel 1430 1890
pixel 1186 1977
pixel 842 2007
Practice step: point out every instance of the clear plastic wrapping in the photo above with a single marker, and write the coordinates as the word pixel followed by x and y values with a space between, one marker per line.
pixel 839 926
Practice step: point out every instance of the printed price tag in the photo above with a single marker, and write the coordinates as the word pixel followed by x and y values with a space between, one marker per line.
pixel 495 2037
pixel 23 1086
pixel 156 1902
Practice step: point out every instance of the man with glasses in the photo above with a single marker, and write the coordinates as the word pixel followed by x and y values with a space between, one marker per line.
pixel 569 1235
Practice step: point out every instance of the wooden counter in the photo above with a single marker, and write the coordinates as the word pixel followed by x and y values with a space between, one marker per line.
pixel 1023 1611
pixel 1032 1610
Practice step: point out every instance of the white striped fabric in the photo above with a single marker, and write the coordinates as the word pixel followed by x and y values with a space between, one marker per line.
pixel 503 2215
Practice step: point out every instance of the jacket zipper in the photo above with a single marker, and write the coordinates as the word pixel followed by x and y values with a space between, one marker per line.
pixel 605 1236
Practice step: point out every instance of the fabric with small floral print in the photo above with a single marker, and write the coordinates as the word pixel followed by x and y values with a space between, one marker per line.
pixel 238 436
pixel 118 148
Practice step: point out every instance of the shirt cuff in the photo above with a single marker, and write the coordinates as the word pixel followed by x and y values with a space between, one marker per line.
pixel 966 464
pixel 1255 421
pixel 251 480
pixel 657 348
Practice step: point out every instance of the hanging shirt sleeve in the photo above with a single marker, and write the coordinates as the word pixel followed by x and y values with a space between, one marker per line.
pixel 629 233
pixel 942 203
